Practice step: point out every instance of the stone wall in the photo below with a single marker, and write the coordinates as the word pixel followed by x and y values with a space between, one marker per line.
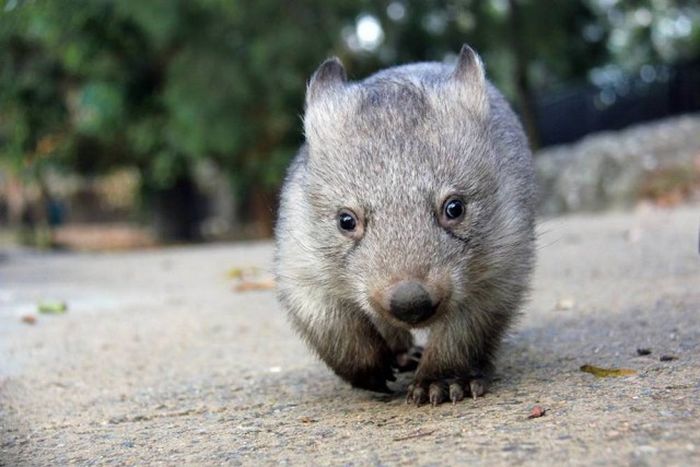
pixel 617 169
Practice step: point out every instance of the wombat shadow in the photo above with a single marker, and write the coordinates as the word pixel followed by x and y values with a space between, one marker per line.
pixel 553 350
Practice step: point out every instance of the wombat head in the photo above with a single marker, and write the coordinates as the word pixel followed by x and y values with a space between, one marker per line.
pixel 403 186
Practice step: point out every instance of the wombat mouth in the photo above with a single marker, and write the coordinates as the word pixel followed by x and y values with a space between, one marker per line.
pixel 412 321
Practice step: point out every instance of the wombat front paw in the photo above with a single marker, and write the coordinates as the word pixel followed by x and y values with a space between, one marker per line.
pixel 408 360
pixel 437 392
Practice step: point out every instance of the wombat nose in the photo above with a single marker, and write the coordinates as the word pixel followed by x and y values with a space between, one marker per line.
pixel 411 303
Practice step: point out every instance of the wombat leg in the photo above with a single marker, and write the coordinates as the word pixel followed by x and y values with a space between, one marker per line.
pixel 400 341
pixel 351 346
pixel 453 366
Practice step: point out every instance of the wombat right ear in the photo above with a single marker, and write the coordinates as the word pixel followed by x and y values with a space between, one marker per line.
pixel 470 77
pixel 469 67
pixel 330 75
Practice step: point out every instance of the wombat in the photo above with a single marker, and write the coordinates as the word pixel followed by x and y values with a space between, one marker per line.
pixel 410 205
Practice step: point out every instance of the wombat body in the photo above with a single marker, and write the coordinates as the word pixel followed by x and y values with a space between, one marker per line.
pixel 411 205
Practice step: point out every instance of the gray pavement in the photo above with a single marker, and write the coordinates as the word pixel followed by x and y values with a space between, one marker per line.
pixel 158 360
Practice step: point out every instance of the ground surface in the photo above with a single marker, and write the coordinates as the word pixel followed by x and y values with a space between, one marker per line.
pixel 158 360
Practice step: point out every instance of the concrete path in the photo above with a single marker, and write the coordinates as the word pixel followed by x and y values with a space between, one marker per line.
pixel 158 360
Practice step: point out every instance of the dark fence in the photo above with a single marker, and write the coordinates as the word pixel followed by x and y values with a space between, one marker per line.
pixel 568 115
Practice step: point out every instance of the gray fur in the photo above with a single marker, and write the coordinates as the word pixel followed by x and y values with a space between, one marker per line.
pixel 391 148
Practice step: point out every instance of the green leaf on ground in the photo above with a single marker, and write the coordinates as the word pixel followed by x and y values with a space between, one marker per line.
pixel 52 308
pixel 607 372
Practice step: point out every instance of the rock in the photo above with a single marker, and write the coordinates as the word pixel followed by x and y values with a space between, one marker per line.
pixel 616 169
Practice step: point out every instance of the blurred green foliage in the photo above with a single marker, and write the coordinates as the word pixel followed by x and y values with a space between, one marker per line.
pixel 159 84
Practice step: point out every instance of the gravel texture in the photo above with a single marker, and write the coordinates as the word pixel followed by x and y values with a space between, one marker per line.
pixel 159 360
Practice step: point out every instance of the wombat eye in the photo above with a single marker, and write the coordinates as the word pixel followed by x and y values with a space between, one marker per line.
pixel 454 209
pixel 347 221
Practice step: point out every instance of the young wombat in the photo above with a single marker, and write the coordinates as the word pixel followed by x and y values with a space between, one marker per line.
pixel 411 205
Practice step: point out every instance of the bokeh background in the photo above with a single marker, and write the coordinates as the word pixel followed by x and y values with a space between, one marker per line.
pixel 132 123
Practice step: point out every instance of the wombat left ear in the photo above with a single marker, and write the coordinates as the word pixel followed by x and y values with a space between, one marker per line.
pixel 330 75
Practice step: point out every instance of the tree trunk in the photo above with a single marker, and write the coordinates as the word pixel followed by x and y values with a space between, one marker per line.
pixel 261 210
pixel 526 101
pixel 178 210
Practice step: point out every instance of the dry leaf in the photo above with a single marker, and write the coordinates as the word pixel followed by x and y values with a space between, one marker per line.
pixel 250 285
pixel 537 412
pixel 29 319
pixel 607 372
pixel 242 272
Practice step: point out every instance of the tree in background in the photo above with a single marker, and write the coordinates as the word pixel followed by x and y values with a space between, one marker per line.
pixel 535 47
pixel 526 44
pixel 164 84
pixel 160 85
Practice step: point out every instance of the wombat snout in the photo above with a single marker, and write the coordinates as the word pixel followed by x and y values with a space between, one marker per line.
pixel 411 303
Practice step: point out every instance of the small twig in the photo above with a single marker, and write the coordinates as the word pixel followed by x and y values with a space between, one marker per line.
pixel 415 435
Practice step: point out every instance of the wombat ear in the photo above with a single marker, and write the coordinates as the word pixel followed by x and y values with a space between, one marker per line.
pixel 469 75
pixel 328 76
pixel 469 67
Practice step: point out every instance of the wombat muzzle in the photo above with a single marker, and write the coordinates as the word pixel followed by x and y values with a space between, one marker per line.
pixel 411 303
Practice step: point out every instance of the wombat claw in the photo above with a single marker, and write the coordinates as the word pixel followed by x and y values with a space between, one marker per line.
pixel 438 392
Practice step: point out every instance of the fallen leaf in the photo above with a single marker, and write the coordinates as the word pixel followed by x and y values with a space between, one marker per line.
pixel 607 372
pixel 29 319
pixel 250 278
pixel 241 272
pixel 52 308
pixel 249 285
pixel 537 412
pixel 307 420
